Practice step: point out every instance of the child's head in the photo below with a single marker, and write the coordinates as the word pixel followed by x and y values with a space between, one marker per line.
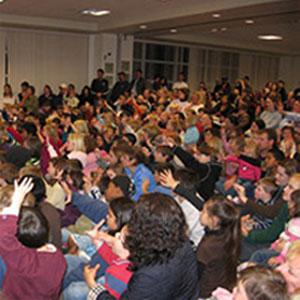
pixel 265 189
pixel 119 213
pixel 119 186
pixel 6 193
pixel 8 173
pixel 250 148
pixel 33 228
pixel 218 214
pixel 258 283
pixel 56 164
pixel 272 159
pixel 291 268
pixel 292 231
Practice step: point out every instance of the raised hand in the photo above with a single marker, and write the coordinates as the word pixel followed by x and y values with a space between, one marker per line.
pixel 168 180
pixel 241 191
pixel 20 191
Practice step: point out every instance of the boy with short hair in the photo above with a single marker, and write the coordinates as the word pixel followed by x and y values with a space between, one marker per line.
pixel 35 268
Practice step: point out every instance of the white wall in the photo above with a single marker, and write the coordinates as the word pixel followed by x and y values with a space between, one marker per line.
pixel 46 57
pixel 2 49
pixel 42 57
pixel 259 67
pixel 289 71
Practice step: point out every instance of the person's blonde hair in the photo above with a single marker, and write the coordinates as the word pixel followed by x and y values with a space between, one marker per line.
pixel 296 177
pixel 81 127
pixel 78 141
pixel 51 132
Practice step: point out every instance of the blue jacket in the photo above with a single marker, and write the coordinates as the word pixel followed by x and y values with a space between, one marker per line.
pixel 141 173
pixel 94 209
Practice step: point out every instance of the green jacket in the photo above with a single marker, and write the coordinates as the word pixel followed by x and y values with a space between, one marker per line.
pixel 269 235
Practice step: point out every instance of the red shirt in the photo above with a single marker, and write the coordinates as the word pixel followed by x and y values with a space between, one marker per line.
pixel 30 274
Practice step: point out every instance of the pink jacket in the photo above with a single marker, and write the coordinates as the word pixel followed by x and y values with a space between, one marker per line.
pixel 246 170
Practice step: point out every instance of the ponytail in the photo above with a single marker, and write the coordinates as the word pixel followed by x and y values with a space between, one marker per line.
pixel 229 225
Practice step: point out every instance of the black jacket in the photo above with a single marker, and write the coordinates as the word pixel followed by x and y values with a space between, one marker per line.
pixel 99 85
pixel 175 280
pixel 139 86
pixel 119 89
pixel 208 174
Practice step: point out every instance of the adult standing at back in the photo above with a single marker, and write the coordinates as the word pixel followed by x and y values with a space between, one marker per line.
pixel 122 86
pixel 138 84
pixel 99 84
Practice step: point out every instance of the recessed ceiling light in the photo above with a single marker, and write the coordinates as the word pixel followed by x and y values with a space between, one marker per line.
pixel 95 12
pixel 1 1
pixel 223 29
pixel 214 30
pixel 270 37
pixel 143 27
pixel 173 30
pixel 216 15
pixel 249 22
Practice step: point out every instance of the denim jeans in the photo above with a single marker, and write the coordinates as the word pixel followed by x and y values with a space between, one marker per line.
pixel 247 249
pixel 76 290
pixel 262 256
pixel 2 272
pixel 84 242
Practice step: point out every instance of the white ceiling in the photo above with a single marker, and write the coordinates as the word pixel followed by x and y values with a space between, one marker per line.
pixel 192 18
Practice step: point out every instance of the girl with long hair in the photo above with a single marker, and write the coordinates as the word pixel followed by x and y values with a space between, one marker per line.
pixel 218 252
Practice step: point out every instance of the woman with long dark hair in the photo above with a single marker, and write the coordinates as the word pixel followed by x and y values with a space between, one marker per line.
pixel 218 251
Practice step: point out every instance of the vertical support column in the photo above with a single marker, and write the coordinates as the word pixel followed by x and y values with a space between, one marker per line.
pixel 119 54
pixel 91 57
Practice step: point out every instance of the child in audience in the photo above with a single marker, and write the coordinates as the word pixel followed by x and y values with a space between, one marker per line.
pixel 114 257
pixel 264 195
pixel 276 254
pixel 132 161
pixel 256 283
pixel 35 268
pixel 119 213
pixel 291 269
pixel 218 251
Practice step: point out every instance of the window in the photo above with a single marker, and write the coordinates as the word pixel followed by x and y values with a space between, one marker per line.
pixel 165 60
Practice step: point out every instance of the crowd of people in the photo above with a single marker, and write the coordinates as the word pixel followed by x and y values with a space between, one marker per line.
pixel 150 191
